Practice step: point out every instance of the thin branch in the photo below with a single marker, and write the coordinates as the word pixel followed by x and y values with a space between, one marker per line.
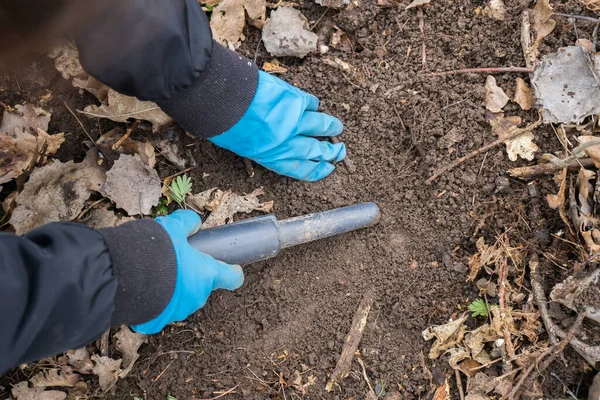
pixel 532 171
pixel 219 396
pixel 580 17
pixel 526 379
pixel 516 133
pixel 590 353
pixel 86 132
pixel 128 133
pixel 491 70
pixel 578 152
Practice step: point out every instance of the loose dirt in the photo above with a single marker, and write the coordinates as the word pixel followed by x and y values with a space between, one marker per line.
pixel 293 312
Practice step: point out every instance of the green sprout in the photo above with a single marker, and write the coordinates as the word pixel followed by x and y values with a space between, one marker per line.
pixel 479 308
pixel 169 397
pixel 179 189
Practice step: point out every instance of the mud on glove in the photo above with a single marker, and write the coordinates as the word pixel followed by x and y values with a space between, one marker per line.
pixel 280 129
pixel 198 274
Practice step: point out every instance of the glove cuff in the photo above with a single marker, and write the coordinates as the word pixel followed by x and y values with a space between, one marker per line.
pixel 145 265
pixel 219 96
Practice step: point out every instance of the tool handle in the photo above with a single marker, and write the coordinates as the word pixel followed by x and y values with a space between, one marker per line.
pixel 240 243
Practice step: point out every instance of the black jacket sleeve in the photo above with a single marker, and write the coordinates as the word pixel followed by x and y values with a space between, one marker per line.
pixel 62 285
pixel 162 51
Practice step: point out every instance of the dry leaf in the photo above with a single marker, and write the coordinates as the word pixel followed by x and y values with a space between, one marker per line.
pixel 446 336
pixel 417 3
pixel 522 146
pixel 333 3
pixel 273 68
pixel 593 5
pixel 128 343
pixel 80 360
pixel 133 186
pixel 341 41
pixel 523 96
pixel 107 370
pixel 66 61
pixel 120 108
pixel 286 33
pixel 229 18
pixel 475 341
pixel 23 138
pixel 56 192
pixel 170 150
pixel 22 391
pixel 129 146
pixel 102 217
pixel 224 205
pixel 495 10
pixel 469 367
pixel 296 382
pixel 565 87
pixel 442 392
pixel 592 152
pixel 207 200
pixel 580 294
pixel 542 22
pixel 495 98
pixel 53 378
pixel 79 392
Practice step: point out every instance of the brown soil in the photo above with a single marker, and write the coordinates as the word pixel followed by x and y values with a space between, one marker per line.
pixel 294 311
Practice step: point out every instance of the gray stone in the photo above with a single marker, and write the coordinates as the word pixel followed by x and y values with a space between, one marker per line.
pixel 286 34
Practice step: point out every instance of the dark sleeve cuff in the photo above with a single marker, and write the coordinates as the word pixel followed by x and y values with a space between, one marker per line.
pixel 219 96
pixel 145 265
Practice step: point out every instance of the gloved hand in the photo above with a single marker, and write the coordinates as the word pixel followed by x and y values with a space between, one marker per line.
pixel 198 274
pixel 278 131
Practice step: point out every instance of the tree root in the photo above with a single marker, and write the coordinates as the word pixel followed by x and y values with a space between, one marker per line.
pixel 590 353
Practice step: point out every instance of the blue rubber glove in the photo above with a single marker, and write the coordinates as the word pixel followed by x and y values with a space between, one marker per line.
pixel 198 274
pixel 279 131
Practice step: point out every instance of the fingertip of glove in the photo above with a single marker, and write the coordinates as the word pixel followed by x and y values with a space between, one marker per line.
pixel 230 277
pixel 342 151
pixel 335 127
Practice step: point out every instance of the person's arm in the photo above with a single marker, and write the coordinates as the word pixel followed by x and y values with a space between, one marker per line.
pixel 162 50
pixel 62 285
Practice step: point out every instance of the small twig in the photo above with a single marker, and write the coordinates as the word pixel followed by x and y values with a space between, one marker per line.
pixel 580 17
pixel 577 153
pixel 85 131
pixel 590 353
pixel 516 133
pixel 248 166
pixel 219 396
pixel 357 328
pixel 104 343
pixel 175 352
pixel 569 392
pixel 94 204
pixel 420 15
pixel 347 162
pixel 365 376
pixel 163 372
pixel 178 173
pixel 526 379
pixel 459 385
pixel 10 109
pixel 548 168
pixel 529 53
pixel 128 133
pixel 491 70
pixel 502 307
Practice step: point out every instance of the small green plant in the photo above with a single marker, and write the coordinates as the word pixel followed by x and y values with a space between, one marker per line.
pixel 161 209
pixel 179 189
pixel 479 308
pixel 169 397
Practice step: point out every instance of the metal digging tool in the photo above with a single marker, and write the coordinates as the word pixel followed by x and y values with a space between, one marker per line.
pixel 261 238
